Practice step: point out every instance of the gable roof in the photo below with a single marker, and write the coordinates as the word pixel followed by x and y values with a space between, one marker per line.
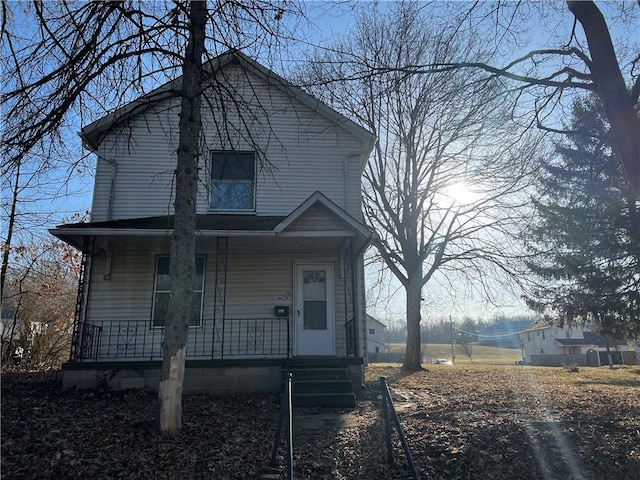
pixel 93 133
pixel 371 319
pixel 589 338
pixel 317 198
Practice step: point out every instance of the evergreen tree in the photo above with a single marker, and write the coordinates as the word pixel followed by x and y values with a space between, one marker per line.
pixel 587 238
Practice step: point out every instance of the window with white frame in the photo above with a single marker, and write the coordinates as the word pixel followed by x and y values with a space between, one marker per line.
pixel 162 291
pixel 232 180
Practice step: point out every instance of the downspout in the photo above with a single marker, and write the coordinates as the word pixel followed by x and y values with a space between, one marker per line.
pixel 345 184
pixel 358 317
pixel 112 186
pixel 93 146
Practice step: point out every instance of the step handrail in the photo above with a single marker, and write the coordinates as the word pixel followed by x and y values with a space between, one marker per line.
pixel 388 409
pixel 286 410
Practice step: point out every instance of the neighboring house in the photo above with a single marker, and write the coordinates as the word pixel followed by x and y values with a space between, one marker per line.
pixel 280 238
pixel 503 334
pixel 543 340
pixel 376 336
pixel 9 334
pixel 8 327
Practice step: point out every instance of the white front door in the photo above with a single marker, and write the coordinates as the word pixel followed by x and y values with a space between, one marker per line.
pixel 314 310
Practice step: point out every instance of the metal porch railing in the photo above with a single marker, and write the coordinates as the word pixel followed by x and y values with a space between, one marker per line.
pixel 230 338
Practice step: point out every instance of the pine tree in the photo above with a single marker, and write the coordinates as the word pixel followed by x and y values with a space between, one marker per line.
pixel 587 239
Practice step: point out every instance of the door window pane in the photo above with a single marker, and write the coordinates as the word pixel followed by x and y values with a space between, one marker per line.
pixel 314 291
pixel 315 315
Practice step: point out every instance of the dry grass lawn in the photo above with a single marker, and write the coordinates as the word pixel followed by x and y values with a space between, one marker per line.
pixel 519 422
pixel 462 422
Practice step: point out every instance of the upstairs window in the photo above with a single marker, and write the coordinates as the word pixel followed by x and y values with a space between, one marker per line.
pixel 162 291
pixel 232 180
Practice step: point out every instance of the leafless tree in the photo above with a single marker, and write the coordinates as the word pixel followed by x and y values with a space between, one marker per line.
pixel 586 61
pixel 38 305
pixel 79 60
pixel 445 188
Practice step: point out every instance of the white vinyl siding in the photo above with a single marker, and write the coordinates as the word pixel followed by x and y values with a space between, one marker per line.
pixel 257 281
pixel 300 152
pixel 318 218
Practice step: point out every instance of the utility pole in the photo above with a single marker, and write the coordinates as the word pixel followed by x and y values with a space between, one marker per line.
pixel 453 356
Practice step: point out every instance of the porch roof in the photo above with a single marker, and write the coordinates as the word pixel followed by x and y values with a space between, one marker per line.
pixel 203 222
pixel 226 225
pixel 590 338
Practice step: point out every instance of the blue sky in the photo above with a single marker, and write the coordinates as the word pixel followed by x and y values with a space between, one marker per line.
pixel 327 24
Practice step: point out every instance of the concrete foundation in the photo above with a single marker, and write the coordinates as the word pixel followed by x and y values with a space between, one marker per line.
pixel 201 376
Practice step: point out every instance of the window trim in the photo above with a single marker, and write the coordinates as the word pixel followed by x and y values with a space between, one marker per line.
pixel 253 182
pixel 155 291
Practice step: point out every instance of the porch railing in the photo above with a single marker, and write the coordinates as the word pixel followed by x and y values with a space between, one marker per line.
pixel 230 338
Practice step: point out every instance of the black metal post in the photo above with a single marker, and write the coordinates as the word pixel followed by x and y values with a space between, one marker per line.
pixel 290 429
pixel 396 421
pixel 385 416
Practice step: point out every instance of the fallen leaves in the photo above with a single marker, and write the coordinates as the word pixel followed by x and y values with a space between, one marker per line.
pixel 461 423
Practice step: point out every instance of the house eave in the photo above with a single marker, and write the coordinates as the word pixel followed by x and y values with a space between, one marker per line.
pixel 75 236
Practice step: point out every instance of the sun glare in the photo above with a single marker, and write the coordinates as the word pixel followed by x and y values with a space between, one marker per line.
pixel 461 193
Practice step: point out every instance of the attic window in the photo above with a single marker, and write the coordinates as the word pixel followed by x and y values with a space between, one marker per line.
pixel 232 180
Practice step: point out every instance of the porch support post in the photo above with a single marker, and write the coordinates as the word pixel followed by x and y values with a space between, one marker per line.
pixel 84 282
pixel 355 295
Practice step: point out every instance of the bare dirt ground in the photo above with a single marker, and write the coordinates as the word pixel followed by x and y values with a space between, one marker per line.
pixel 468 422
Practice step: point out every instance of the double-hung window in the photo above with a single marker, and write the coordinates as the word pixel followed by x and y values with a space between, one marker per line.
pixel 232 180
pixel 162 291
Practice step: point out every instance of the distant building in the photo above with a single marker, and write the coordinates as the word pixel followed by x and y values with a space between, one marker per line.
pixel 376 336
pixel 543 339
pixel 7 320
pixel 503 334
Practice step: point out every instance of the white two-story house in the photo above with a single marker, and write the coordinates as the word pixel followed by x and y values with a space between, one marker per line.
pixel 548 344
pixel 280 238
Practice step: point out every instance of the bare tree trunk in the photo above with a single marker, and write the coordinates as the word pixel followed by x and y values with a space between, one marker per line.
pixel 607 77
pixel 7 243
pixel 412 360
pixel 182 260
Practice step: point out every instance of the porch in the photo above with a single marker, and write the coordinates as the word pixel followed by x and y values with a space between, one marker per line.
pixel 223 339
pixel 230 356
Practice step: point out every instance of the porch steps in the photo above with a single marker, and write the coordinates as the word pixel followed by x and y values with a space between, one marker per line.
pixel 322 386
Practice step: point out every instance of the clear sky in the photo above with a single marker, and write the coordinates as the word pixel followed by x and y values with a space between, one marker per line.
pixel 329 23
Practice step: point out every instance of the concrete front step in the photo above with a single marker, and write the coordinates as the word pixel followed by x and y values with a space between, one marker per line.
pixel 321 386
pixel 337 400
pixel 318 373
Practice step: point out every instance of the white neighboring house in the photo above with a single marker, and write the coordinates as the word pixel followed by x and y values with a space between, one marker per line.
pixel 547 339
pixel 376 336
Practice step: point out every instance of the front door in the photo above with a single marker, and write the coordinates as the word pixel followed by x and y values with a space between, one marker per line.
pixel 314 310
